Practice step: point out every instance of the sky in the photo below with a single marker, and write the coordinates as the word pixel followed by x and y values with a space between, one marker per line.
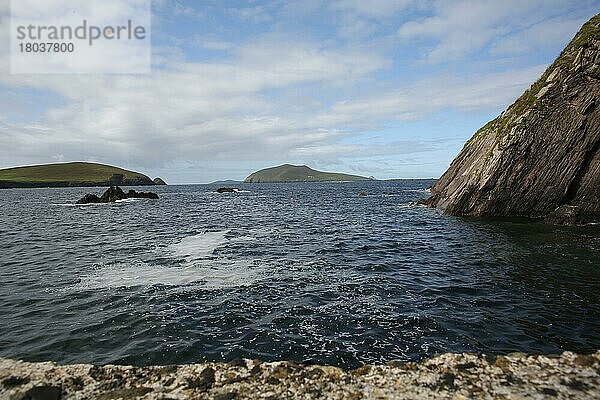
pixel 383 88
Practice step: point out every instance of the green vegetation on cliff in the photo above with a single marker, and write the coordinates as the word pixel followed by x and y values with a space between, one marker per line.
pixel 504 123
pixel 299 173
pixel 70 174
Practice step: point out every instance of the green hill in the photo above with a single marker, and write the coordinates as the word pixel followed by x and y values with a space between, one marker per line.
pixel 70 174
pixel 299 173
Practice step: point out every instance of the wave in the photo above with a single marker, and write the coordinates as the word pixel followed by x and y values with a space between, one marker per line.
pixel 129 200
pixel 78 205
pixel 410 204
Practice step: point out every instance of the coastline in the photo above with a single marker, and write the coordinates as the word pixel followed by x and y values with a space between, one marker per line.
pixel 445 376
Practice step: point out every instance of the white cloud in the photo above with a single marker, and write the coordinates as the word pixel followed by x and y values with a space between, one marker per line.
pixel 539 36
pixel 459 28
pixel 279 96
pixel 356 18
pixel 487 91
pixel 186 11
pixel 371 8
pixel 186 111
pixel 211 42
pixel 257 14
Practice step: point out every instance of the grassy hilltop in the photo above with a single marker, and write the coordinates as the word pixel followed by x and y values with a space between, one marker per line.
pixel 70 174
pixel 299 173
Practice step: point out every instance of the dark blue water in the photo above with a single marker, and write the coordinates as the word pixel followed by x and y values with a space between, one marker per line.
pixel 331 278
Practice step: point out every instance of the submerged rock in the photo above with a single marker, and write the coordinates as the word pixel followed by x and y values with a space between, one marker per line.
pixel 542 153
pixel 566 215
pixel 113 194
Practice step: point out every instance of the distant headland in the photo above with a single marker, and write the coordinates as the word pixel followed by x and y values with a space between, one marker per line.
pixel 76 174
pixel 299 173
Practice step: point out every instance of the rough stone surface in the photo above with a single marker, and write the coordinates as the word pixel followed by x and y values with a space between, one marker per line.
pixel 543 152
pixel 113 194
pixel 446 376
pixel 566 215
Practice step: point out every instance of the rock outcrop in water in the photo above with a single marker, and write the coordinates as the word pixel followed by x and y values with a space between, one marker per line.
pixel 540 157
pixel 227 190
pixel 115 193
pixel 446 376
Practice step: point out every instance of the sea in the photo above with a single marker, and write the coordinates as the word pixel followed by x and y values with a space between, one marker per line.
pixel 341 274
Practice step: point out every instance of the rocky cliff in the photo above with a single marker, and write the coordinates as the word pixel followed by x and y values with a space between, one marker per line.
pixel 541 156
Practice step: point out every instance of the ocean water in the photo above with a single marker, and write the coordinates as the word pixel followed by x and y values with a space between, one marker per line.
pixel 327 277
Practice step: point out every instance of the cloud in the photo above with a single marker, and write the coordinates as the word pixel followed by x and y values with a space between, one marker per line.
pixel 151 122
pixel 372 8
pixel 459 28
pixel 357 19
pixel 186 11
pixel 541 35
pixel 295 95
pixel 257 14
pixel 211 42
pixel 428 96
pixel 186 110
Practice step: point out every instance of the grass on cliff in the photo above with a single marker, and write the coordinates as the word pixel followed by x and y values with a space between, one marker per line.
pixel 299 173
pixel 66 172
pixel 503 124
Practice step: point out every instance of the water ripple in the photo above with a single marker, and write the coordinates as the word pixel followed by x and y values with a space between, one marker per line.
pixel 331 278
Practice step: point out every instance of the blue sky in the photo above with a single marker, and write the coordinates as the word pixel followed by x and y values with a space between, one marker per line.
pixel 389 88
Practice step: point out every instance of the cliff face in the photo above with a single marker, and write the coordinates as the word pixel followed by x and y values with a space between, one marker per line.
pixel 543 152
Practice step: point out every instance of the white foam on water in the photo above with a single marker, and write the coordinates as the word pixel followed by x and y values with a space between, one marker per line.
pixel 408 205
pixel 216 274
pixel 137 274
pixel 197 247
pixel 128 200
pixel 77 205
pixel 200 268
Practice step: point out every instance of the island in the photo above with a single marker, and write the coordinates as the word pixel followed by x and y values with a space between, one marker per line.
pixel 541 157
pixel 299 173
pixel 79 174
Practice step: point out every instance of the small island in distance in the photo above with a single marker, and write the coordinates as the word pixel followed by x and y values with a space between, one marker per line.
pixel 74 174
pixel 300 173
